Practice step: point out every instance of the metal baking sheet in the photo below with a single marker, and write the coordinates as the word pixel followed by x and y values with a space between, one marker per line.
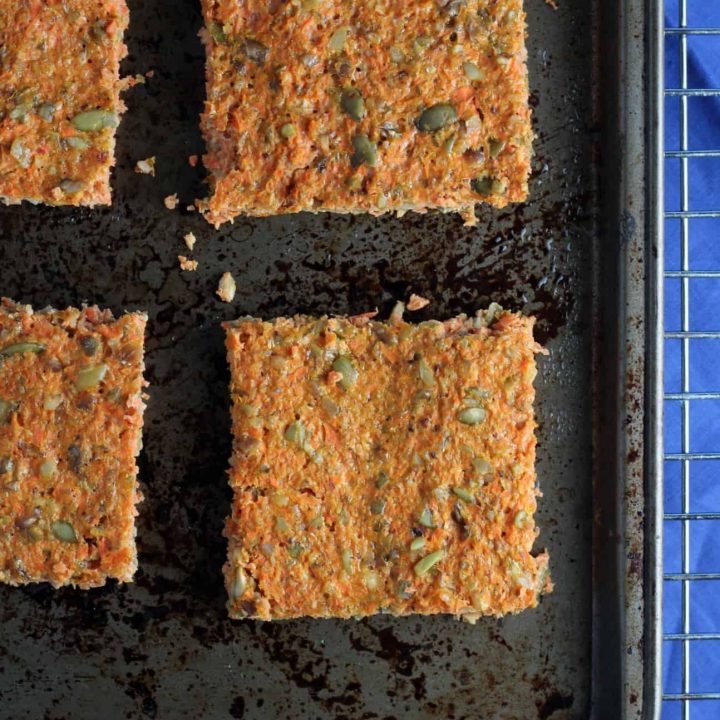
pixel 163 647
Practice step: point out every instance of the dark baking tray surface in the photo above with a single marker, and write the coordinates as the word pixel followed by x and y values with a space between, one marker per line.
pixel 163 647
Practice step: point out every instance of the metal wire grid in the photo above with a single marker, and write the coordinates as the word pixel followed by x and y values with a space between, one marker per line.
pixel 687 699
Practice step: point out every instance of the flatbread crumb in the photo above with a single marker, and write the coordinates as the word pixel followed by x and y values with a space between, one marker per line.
pixel 193 160
pixel 416 302
pixel 171 201
pixel 226 287
pixel 146 167
pixel 185 264
pixel 190 240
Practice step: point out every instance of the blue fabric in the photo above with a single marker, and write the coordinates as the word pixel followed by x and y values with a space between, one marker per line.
pixel 704 361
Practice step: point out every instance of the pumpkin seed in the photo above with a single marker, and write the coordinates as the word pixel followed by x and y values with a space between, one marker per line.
pixel 239 584
pixel 338 39
pixel 495 147
pixel 77 143
pixel 481 466
pixel 295 433
pixel 463 494
pixel 449 145
pixel 46 111
pixel 426 518
pixel 520 519
pixel 344 366
pixel 294 550
pixel 21 153
pixel 329 407
pixel 70 187
pixel 426 374
pixel 6 464
pixel 279 499
pixel 377 506
pixel 281 524
pixel 365 151
pixel 90 376
pixel 89 344
pixel 346 559
pixel 472 415
pixel 6 410
pixel 93 120
pixel 486 185
pixel 20 112
pixel 417 543
pixel 421 43
pixel 472 71
pixel 317 522
pixel 22 348
pixel 352 104
pixel 382 480
pixel 288 131
pixel 436 117
pixel 48 468
pixel 216 32
pixel 424 565
pixel 254 50
pixel 63 531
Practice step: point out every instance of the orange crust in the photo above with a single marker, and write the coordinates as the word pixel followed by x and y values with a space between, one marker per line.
pixel 343 468
pixel 291 86
pixel 71 413
pixel 61 58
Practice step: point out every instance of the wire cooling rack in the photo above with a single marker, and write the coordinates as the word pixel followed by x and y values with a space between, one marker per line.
pixel 691 638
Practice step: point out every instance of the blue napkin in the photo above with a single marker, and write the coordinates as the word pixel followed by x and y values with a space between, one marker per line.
pixel 703 294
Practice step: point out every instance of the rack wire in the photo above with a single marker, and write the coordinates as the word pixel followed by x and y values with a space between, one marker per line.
pixel 681 697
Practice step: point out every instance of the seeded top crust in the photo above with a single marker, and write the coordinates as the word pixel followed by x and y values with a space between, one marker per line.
pixel 70 428
pixel 383 467
pixel 59 99
pixel 373 106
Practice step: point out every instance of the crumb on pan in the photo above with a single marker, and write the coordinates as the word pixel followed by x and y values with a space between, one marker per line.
pixel 193 160
pixel 171 201
pixel 71 415
pixel 364 107
pixel 185 264
pixel 190 240
pixel 226 287
pixel 416 302
pixel 146 167
pixel 60 99
pixel 383 467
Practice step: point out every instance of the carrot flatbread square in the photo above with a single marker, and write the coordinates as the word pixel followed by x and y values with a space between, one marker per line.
pixel 383 467
pixel 71 413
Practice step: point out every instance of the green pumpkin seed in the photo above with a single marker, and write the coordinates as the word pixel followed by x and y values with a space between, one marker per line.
pixel 520 519
pixel 472 416
pixel 48 468
pixel 6 410
pixel 317 522
pixel 424 565
pixel 338 39
pixel 63 531
pixel 346 559
pixel 288 131
pixel 89 345
pixel 281 524
pixel 22 348
pixel 486 185
pixel 417 543
pixel 70 187
pixel 365 151
pixel 216 32
pixel 495 147
pixel 436 117
pixel 463 494
pixel 52 402
pixel 6 464
pixel 377 506
pixel 238 585
pixel 426 518
pixel 90 376
pixel 329 406
pixel 295 550
pixel 382 480
pixel 473 72
pixel 20 112
pixel 21 153
pixel 94 120
pixel 449 145
pixel 426 374
pixel 344 366
pixel 77 143
pixel 279 499
pixel 47 111
pixel 295 433
pixel 421 43
pixel 352 104
pixel 254 50
pixel 481 466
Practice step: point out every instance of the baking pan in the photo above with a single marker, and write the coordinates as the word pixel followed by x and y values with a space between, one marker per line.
pixel 580 256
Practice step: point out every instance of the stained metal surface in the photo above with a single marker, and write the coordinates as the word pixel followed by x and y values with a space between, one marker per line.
pixel 163 647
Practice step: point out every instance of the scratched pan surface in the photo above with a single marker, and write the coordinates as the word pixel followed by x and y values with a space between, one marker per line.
pixel 163 647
